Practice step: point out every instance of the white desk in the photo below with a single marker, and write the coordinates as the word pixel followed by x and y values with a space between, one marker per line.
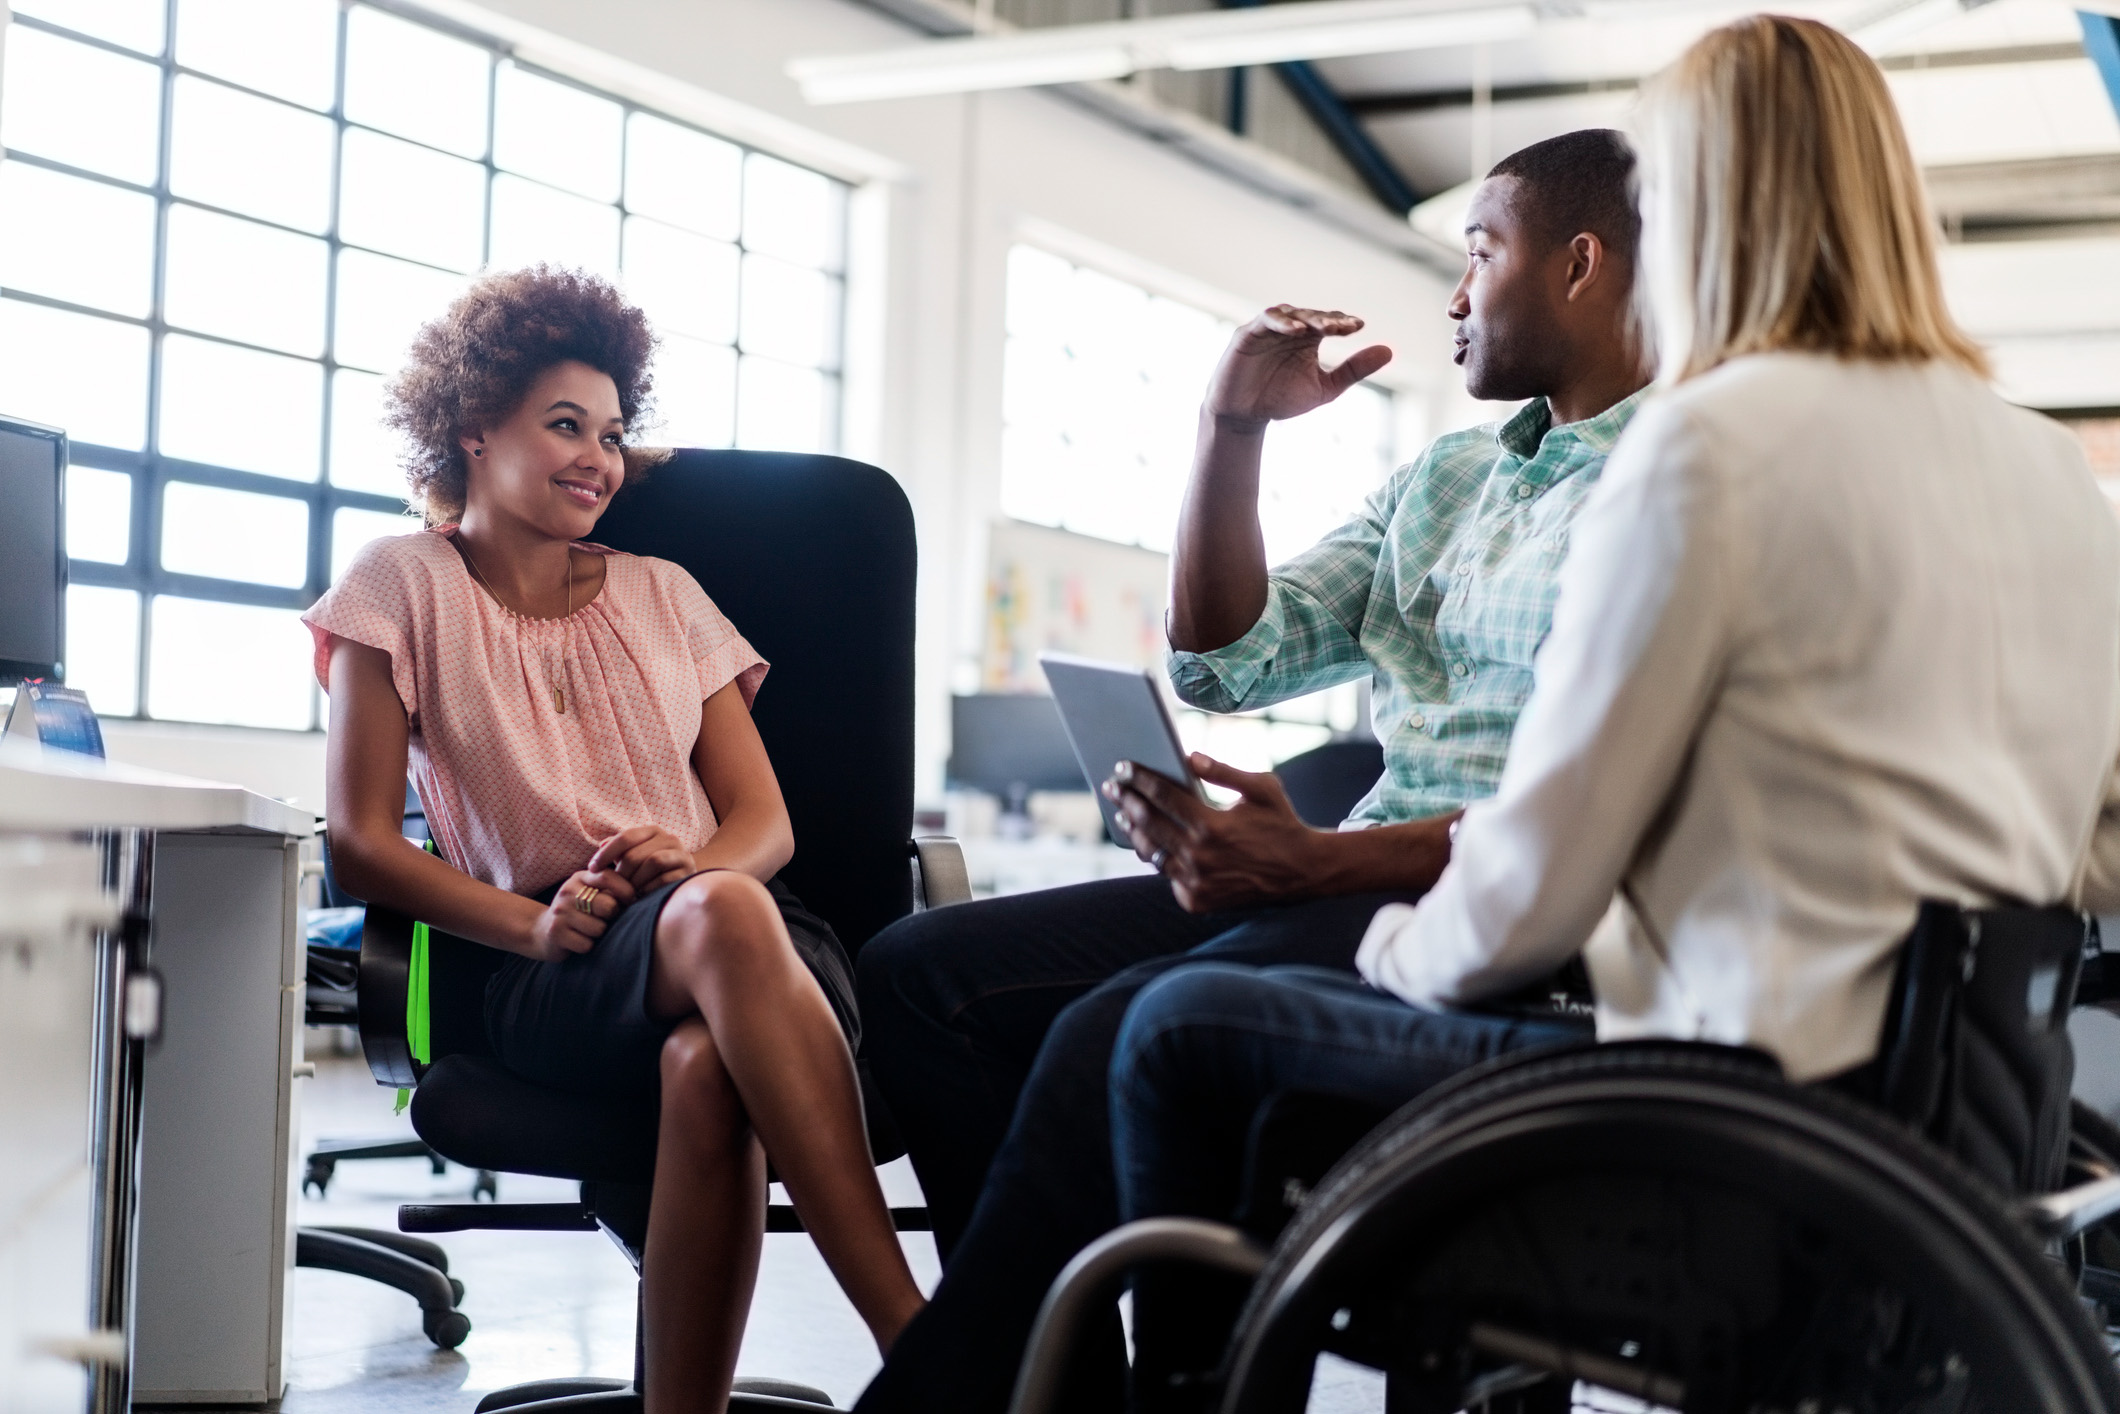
pixel 190 1212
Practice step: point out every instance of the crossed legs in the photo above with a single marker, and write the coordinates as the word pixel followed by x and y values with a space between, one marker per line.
pixel 757 1066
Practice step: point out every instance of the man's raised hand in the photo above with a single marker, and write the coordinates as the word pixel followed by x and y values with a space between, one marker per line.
pixel 1271 370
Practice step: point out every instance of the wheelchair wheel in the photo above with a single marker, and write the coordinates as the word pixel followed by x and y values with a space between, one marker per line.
pixel 2094 1257
pixel 1676 1225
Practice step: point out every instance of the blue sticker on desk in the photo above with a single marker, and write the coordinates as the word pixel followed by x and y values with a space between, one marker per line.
pixel 57 717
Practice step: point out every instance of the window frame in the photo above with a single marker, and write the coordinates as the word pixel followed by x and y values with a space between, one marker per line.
pixel 151 472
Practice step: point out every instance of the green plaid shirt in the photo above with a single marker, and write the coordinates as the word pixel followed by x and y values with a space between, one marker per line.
pixel 1442 588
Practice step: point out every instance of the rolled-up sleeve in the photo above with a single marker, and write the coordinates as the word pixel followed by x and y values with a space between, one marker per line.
pixel 1308 637
pixel 1623 680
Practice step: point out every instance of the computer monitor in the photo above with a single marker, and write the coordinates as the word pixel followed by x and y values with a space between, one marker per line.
pixel 1010 745
pixel 32 551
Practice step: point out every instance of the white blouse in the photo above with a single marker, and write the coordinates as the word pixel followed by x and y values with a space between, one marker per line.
pixel 1832 638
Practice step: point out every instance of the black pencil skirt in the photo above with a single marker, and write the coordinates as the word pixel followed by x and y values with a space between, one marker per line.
pixel 582 1024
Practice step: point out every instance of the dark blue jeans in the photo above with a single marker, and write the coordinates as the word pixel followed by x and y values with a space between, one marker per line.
pixel 1203 1048
pixel 966 1009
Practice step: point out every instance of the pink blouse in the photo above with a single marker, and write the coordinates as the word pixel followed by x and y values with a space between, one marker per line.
pixel 519 792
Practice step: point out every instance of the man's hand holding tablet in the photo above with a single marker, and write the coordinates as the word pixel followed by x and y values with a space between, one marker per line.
pixel 1258 850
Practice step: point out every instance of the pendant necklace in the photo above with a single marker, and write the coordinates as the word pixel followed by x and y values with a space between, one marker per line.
pixel 552 674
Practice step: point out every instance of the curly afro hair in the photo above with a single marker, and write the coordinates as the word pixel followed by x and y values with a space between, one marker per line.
pixel 473 366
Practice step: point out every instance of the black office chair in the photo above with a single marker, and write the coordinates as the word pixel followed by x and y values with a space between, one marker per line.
pixel 812 558
pixel 1678 1223
pixel 1326 783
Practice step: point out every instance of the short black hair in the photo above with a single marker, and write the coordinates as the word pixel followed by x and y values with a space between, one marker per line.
pixel 1579 181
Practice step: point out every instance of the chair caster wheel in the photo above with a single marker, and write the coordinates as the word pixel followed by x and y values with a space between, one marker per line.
pixel 318 1175
pixel 486 1186
pixel 447 1329
pixel 456 1291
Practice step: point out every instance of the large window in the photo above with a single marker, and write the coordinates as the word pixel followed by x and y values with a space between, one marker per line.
pixel 221 222
pixel 1101 398
pixel 1100 404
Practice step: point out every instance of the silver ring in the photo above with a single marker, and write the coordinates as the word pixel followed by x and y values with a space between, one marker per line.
pixel 1156 860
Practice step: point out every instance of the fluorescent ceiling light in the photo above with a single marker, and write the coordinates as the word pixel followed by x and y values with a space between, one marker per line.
pixel 1266 34
pixel 1886 26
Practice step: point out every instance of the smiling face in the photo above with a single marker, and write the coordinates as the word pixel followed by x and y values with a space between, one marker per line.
pixel 557 460
pixel 1509 340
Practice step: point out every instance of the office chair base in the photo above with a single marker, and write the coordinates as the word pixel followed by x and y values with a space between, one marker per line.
pixel 603 1396
pixel 436 1291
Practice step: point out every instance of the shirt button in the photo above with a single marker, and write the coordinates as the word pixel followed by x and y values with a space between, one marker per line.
pixel 1524 490
pixel 1418 722
pixel 1464 567
pixel 1462 670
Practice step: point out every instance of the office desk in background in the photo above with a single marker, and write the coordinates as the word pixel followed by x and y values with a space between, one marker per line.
pixel 184 1222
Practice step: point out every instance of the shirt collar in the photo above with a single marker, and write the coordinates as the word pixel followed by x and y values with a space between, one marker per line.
pixel 1524 436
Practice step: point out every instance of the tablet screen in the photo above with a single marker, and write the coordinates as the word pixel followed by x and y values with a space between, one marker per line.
pixel 1114 713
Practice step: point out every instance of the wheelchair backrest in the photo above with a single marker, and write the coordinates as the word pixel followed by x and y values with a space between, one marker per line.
pixel 1975 1051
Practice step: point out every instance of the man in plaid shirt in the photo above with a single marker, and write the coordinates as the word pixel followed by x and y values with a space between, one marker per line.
pixel 990 1026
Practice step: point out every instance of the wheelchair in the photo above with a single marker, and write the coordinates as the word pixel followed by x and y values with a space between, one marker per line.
pixel 1678 1225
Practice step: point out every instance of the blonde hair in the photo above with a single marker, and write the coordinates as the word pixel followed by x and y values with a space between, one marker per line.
pixel 1782 208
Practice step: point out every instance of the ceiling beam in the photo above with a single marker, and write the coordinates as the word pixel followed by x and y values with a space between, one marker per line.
pixel 1389 104
pixel 2101 40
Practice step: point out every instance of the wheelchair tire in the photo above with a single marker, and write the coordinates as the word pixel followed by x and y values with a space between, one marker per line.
pixel 1675 1223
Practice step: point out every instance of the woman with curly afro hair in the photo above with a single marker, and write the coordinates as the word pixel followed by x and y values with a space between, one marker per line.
pixel 577 723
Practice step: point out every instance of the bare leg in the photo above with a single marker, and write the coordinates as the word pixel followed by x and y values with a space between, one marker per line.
pixel 722 950
pixel 704 1229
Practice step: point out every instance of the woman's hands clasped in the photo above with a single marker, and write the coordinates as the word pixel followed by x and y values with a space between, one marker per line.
pixel 578 914
pixel 625 866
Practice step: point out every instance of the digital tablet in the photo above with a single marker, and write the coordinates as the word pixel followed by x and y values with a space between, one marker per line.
pixel 1114 713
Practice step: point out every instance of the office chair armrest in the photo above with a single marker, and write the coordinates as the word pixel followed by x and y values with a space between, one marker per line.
pixel 385 982
pixel 939 876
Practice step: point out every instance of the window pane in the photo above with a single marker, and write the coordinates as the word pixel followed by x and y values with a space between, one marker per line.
pixel 556 133
pixel 228 148
pixel 103 647
pixel 781 408
pixel 239 408
pixel 364 453
pixel 792 212
pixel 351 529
pixel 684 177
pixel 225 534
pixel 382 304
pixel 72 239
pixel 686 283
pixel 136 24
pixel 408 201
pixel 98 515
pixel 695 390
pixel 80 105
pixel 231 663
pixel 1320 467
pixel 533 223
pixel 790 313
pixel 416 82
pixel 41 354
pixel 245 281
pixel 287 48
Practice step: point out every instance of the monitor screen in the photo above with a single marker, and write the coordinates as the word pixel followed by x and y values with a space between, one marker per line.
pixel 1009 744
pixel 32 551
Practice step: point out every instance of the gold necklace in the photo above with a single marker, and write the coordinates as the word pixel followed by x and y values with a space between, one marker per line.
pixel 559 694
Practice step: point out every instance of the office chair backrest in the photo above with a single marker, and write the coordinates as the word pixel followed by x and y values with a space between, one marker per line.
pixel 812 558
pixel 1326 783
